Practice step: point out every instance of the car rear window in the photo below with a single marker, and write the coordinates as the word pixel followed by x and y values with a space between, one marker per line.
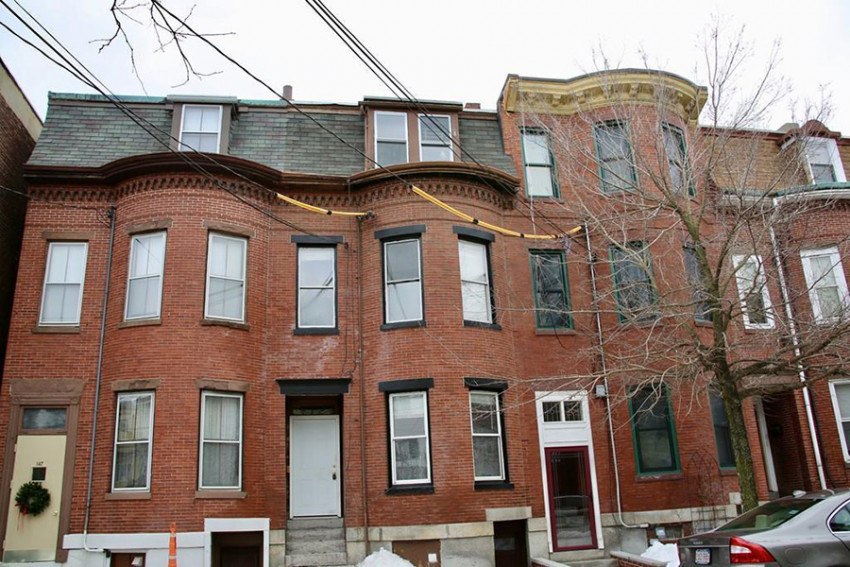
pixel 769 515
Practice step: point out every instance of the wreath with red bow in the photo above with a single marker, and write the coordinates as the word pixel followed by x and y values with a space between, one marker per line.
pixel 32 499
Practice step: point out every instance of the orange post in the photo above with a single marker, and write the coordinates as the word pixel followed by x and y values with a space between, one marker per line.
pixel 172 546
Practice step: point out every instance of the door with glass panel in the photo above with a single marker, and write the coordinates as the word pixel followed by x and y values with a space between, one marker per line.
pixel 570 498
pixel 39 459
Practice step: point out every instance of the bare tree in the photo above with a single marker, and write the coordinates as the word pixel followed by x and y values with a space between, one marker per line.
pixel 700 224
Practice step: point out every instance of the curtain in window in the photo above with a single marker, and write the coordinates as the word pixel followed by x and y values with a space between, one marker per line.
pixel 222 421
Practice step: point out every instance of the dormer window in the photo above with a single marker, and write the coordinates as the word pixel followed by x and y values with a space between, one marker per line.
pixel 390 138
pixel 824 161
pixel 435 138
pixel 201 128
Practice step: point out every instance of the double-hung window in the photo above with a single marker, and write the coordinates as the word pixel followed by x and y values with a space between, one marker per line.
pixel 840 391
pixel 390 138
pixel 699 295
pixel 201 128
pixel 221 440
pixel 653 431
pixel 633 289
pixel 316 287
pixel 826 284
pixel 476 292
pixel 63 283
pixel 226 259
pixel 823 160
pixel 616 167
pixel 677 158
pixel 131 468
pixel 402 281
pixel 409 444
pixel 538 164
pixel 752 290
pixel 435 138
pixel 487 441
pixel 144 276
pixel 551 292
pixel 722 437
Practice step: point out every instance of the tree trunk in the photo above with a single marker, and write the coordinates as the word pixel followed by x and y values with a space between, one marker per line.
pixel 741 448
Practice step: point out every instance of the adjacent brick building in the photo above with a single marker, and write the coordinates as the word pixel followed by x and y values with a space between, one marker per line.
pixel 20 128
pixel 299 388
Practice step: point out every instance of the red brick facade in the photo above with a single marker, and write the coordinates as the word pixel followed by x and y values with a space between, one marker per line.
pixel 181 354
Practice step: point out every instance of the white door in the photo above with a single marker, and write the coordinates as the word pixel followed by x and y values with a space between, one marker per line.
pixel 314 465
pixel 33 538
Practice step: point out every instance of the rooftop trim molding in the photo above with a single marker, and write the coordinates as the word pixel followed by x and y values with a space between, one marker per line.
pixel 493 177
pixel 597 90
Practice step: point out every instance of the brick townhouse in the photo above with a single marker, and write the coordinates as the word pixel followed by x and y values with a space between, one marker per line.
pixel 293 388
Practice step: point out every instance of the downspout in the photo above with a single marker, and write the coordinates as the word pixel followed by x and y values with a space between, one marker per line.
pixel 362 378
pixel 99 374
pixel 604 367
pixel 807 401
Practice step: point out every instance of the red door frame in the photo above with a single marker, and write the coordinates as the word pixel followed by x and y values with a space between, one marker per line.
pixel 549 451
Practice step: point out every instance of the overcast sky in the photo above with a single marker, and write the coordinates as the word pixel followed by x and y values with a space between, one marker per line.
pixel 458 50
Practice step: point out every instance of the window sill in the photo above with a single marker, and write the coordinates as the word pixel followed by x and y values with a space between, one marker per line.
pixel 555 332
pixel 545 198
pixel 315 331
pixel 706 324
pixel 139 322
pixel 481 325
pixel 640 323
pixel 410 489
pixel 403 325
pixel 728 471
pixel 140 495
pixel 56 329
pixel 207 322
pixel 213 494
pixel 493 485
pixel 658 477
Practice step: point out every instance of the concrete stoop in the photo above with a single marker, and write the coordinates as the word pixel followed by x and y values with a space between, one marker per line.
pixel 315 542
pixel 584 558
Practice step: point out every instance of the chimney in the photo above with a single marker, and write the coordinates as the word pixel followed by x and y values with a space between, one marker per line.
pixel 472 106
pixel 287 92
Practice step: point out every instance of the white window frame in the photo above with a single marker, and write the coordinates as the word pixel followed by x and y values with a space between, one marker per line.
pixel 497 435
pixel 812 284
pixel 450 145
pixel 244 242
pixel 550 165
pixel 213 394
pixel 487 285
pixel 831 147
pixel 378 139
pixel 186 148
pixel 744 288
pixel 332 287
pixel 131 277
pixel 149 441
pixel 393 438
pixel 839 419
pixel 51 247
pixel 387 282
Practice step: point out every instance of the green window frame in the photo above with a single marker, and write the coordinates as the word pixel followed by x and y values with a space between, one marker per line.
pixel 722 436
pixel 634 293
pixel 538 164
pixel 677 157
pixel 614 156
pixel 550 282
pixel 653 431
pixel 699 296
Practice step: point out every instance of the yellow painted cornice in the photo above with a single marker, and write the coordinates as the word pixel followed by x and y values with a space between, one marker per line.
pixel 604 89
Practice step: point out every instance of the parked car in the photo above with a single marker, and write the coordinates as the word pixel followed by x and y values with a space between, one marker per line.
pixel 808 529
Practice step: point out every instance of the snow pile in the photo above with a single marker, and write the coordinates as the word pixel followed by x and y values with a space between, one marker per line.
pixel 663 552
pixel 384 558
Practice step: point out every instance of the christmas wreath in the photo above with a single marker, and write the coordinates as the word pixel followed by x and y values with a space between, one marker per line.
pixel 32 498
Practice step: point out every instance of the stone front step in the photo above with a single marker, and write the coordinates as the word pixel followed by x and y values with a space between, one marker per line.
pixel 314 542
pixel 316 560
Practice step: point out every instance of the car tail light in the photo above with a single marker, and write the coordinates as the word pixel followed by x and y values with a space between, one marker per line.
pixel 742 551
